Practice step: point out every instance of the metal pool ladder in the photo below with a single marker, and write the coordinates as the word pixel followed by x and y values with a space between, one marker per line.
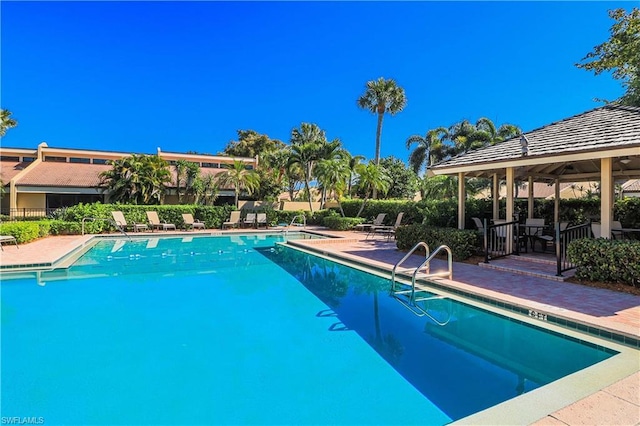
pixel 113 222
pixel 415 299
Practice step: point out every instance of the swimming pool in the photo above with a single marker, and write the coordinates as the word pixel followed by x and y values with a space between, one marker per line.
pixel 236 330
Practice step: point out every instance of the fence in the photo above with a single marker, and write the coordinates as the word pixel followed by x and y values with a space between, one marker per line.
pixel 25 213
pixel 501 239
pixel 563 238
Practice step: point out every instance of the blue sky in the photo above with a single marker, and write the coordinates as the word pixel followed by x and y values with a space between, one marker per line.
pixel 185 76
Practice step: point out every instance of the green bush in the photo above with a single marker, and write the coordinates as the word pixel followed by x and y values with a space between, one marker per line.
pixel 606 260
pixel 339 223
pixel 23 231
pixel 60 227
pixel 463 243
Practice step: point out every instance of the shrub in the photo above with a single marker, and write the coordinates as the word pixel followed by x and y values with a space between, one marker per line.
pixel 339 223
pixel 23 231
pixel 61 227
pixel 463 243
pixel 606 260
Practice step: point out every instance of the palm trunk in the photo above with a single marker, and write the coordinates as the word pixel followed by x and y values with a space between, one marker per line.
pixel 306 185
pixel 341 209
pixel 377 157
pixel 362 206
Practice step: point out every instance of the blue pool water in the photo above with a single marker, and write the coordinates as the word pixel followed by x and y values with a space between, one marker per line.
pixel 236 330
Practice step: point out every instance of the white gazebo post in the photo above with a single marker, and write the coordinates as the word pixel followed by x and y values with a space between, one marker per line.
pixel 606 196
pixel 530 199
pixel 496 197
pixel 461 200
pixel 510 180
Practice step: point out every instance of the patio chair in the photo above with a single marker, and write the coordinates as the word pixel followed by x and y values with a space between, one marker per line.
pixel 249 220
pixel 533 230
pixel 122 224
pixel 262 220
pixel 234 220
pixel 479 224
pixel 376 222
pixel 155 222
pixel 546 240
pixel 595 230
pixel 386 230
pixel 617 234
pixel 8 239
pixel 190 222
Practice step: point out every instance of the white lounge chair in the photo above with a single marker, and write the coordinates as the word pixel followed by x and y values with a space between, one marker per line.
pixel 387 230
pixel 190 222
pixel 262 220
pixel 121 222
pixel 249 220
pixel 234 220
pixel 8 239
pixel 376 222
pixel 155 222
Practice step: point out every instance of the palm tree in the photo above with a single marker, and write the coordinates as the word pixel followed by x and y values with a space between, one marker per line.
pixel 333 174
pixel 181 168
pixel 6 122
pixel 431 148
pixel 137 179
pixel 353 163
pixel 371 177
pixel 308 146
pixel 240 178
pixel 382 96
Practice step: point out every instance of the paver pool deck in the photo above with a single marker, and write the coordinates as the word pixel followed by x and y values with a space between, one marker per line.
pixel 617 404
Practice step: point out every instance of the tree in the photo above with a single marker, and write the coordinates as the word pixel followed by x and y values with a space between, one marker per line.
pixel 404 180
pixel 251 144
pixel 181 169
pixel 333 175
pixel 137 179
pixel 6 122
pixel 308 146
pixel 382 96
pixel 353 162
pixel 620 54
pixel 440 187
pixel 238 177
pixel 371 177
pixel 431 148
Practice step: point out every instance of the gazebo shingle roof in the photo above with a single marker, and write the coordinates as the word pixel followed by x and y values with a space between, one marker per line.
pixel 607 127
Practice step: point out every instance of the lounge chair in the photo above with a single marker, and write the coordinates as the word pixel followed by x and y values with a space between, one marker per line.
pixel 8 239
pixel 386 230
pixel 249 220
pixel 121 222
pixel 376 222
pixel 155 222
pixel 190 222
pixel 262 220
pixel 234 220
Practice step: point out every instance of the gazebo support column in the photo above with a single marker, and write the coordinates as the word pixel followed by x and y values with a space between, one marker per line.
pixel 530 199
pixel 606 197
pixel 556 202
pixel 461 200
pixel 510 182
pixel 496 197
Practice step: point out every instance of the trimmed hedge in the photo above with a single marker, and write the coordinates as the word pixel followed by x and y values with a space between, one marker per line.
pixel 463 243
pixel 24 232
pixel 606 260
pixel 339 223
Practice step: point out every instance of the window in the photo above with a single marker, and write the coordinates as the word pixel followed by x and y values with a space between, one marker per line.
pixel 9 158
pixel 211 165
pixel 28 159
pixel 99 161
pixel 55 201
pixel 56 159
pixel 79 160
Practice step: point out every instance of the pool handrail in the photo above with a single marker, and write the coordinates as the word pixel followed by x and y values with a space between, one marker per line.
pixel 113 222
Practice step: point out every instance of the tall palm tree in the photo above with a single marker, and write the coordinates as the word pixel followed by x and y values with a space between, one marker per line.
pixel 353 162
pixel 382 96
pixel 431 148
pixel 6 122
pixel 181 169
pixel 239 178
pixel 372 177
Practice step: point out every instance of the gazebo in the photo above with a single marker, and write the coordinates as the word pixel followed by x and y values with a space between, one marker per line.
pixel 602 144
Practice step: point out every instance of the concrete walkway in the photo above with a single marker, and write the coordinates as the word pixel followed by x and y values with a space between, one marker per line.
pixel 618 404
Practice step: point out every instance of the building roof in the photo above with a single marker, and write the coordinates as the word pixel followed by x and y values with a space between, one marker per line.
pixel 611 128
pixel 8 169
pixel 63 175
pixel 631 186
